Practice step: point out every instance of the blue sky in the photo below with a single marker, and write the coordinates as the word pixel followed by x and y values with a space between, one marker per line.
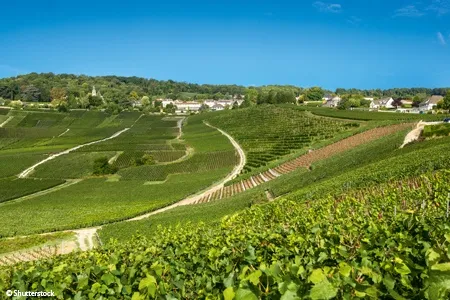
pixel 337 43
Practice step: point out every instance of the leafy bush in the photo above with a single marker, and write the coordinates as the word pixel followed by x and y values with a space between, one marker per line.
pixel 102 167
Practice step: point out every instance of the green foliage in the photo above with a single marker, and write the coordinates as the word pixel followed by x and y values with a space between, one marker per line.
pixel 314 94
pixel 102 167
pixel 395 247
pixel 14 187
pixel 446 102
pixel 15 244
pixel 436 130
pixel 269 132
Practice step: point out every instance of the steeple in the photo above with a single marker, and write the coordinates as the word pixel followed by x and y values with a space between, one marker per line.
pixel 94 92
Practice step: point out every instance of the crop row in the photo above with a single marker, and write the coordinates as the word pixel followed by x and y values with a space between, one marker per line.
pixel 268 133
pixel 200 162
pixel 394 247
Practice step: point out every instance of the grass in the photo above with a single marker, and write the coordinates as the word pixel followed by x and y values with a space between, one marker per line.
pixel 12 188
pixel 21 243
pixel 210 213
pixel 74 207
pixel 72 165
pixel 371 115
pixel 436 130
pixel 268 133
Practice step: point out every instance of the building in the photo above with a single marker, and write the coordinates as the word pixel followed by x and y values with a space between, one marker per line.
pixel 387 103
pixel 333 102
pixel 327 97
pixel 369 98
pixel 217 107
pixel 430 103
pixel 188 106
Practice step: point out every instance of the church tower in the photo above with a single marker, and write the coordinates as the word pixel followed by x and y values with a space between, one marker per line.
pixel 94 92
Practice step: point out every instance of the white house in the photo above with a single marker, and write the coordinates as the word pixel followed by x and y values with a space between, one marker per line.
pixel 382 103
pixel 430 103
pixel 188 106
pixel 333 102
pixel 217 107
pixel 369 98
pixel 327 97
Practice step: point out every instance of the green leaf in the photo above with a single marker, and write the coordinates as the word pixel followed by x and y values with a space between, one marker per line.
pixel 441 267
pixel 229 281
pixel 323 290
pixel 254 277
pixel 290 295
pixel 108 278
pixel 403 269
pixel 229 294
pixel 245 294
pixel 317 276
pixel 344 269
pixel 148 283
pixel 137 296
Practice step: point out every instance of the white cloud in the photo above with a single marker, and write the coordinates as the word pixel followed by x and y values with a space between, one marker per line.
pixel 441 38
pixel 328 7
pixel 408 11
pixel 441 7
pixel 354 20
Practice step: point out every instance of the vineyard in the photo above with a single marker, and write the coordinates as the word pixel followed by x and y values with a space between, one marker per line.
pixel 394 247
pixel 327 207
pixel 285 130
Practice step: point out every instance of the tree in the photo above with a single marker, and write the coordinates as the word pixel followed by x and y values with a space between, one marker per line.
pixel 314 94
pixel 251 95
pixel 446 101
pixel 102 167
pixel 95 101
pixel 31 93
pixel 134 96
pixel 145 101
pixel 57 93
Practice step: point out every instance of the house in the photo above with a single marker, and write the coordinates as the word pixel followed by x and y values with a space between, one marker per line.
pixel 369 98
pixel 188 106
pixel 327 97
pixel 217 107
pixel 430 103
pixel 333 102
pixel 165 102
pixel 382 103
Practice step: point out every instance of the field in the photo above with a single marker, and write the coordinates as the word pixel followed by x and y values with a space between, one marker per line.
pixel 175 173
pixel 285 130
pixel 356 217
pixel 372 116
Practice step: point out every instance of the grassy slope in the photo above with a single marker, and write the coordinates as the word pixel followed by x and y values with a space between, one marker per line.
pixel 109 201
pixel 333 175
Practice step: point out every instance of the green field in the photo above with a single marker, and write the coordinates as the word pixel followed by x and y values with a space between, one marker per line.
pixel 270 132
pixel 369 222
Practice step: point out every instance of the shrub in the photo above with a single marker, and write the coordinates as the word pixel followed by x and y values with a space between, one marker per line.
pixel 102 167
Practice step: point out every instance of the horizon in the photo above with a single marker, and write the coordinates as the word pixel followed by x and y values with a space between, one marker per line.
pixel 331 44
pixel 246 86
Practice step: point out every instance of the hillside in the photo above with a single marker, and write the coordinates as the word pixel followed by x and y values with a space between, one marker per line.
pixel 346 213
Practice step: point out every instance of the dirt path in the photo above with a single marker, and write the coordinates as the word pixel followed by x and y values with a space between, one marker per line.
pixel 86 238
pixel 216 187
pixel 414 134
pixel 67 130
pixel 6 121
pixel 27 172
pixel 303 161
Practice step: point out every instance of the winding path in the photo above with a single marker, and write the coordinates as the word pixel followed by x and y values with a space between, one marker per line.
pixel 6 121
pixel 27 172
pixel 414 134
pixel 216 187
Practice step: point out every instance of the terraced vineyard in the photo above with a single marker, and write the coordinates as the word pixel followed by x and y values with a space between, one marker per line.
pixel 280 231
pixel 271 132
pixel 178 166
pixel 303 161
pixel 313 251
